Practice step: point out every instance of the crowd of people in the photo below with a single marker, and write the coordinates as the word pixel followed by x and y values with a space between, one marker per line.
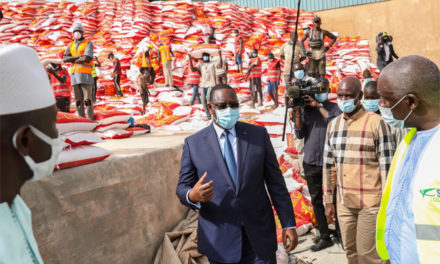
pixel 369 160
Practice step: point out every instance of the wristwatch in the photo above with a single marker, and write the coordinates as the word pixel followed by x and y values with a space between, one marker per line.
pixel 320 105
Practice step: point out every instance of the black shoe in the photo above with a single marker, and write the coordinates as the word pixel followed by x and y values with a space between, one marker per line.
pixel 322 244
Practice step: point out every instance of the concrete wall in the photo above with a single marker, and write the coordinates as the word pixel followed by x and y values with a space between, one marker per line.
pixel 414 25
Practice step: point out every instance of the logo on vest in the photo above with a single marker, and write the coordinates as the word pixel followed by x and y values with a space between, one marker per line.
pixel 431 194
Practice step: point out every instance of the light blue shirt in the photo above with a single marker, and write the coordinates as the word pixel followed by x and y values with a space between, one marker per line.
pixel 221 141
pixel 17 241
pixel 400 232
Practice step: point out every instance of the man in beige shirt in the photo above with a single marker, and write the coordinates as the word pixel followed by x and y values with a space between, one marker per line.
pixel 207 76
pixel 221 73
pixel 286 55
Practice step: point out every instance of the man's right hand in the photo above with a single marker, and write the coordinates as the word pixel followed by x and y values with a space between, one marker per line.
pixel 202 192
pixel 330 213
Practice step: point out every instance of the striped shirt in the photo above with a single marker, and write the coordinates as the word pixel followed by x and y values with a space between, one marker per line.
pixel 357 156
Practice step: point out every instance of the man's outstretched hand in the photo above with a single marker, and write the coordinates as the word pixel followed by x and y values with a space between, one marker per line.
pixel 292 236
pixel 202 192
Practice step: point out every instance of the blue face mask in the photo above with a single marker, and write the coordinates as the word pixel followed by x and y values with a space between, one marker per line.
pixel 346 106
pixel 387 115
pixel 371 105
pixel 227 118
pixel 299 74
pixel 205 58
pixel 322 97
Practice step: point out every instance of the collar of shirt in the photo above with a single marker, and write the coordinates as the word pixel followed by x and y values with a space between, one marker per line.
pixel 219 131
pixel 356 116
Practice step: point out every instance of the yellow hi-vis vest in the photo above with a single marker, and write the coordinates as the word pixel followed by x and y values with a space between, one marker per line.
pixel 165 54
pixel 85 67
pixel 425 204
pixel 145 63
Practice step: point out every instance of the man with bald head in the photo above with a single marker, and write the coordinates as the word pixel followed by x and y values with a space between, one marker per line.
pixel 29 147
pixel 408 226
pixel 357 157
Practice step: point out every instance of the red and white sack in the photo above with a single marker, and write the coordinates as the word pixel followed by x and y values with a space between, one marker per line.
pixel 116 125
pixel 117 134
pixel 81 155
pixel 79 138
pixel 211 49
pixel 67 122
pixel 108 117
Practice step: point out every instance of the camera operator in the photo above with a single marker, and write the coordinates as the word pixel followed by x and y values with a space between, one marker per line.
pixel 311 121
pixel 385 50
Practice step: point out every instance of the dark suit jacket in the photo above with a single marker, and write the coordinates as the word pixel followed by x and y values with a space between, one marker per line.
pixel 381 53
pixel 248 206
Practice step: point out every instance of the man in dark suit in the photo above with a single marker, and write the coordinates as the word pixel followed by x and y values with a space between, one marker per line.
pixel 225 170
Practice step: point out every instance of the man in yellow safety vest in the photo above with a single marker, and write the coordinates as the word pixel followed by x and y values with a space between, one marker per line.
pixel 408 224
pixel 80 54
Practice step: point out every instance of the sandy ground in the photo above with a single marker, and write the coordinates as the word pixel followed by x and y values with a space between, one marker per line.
pixel 332 255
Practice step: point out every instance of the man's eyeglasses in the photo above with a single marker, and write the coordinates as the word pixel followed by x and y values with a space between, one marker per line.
pixel 224 106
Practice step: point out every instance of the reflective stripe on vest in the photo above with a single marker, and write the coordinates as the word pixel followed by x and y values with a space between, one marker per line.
pixel 256 71
pixel 85 67
pixel 165 54
pixel 59 89
pixel 194 77
pixel 94 74
pixel 272 71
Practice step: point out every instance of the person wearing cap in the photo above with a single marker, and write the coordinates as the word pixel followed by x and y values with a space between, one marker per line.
pixel 165 54
pixel 116 73
pixel 385 51
pixel 79 52
pixel 286 54
pixel 29 147
pixel 148 65
pixel 60 82
pixel 317 50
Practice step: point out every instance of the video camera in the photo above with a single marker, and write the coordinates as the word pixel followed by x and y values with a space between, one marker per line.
pixel 298 89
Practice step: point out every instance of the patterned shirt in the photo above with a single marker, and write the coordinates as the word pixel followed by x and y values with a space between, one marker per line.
pixel 357 156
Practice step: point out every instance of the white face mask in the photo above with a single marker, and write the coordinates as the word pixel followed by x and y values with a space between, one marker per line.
pixel 77 35
pixel 44 168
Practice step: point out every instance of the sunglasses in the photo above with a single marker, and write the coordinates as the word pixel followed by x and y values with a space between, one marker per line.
pixel 224 106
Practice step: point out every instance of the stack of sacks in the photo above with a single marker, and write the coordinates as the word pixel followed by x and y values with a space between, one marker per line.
pixel 86 13
pixel 14 27
pixel 164 116
pixel 112 124
pixel 75 131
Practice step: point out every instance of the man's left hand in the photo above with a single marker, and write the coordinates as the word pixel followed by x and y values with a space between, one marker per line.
pixel 292 236
pixel 310 101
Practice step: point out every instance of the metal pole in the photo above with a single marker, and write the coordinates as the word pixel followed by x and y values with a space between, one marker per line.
pixel 291 68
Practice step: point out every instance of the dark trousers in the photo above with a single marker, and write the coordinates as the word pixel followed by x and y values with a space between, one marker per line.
pixel 95 88
pixel 63 104
pixel 116 82
pixel 248 255
pixel 313 175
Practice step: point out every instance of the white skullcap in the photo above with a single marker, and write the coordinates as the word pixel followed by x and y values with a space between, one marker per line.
pixel 24 85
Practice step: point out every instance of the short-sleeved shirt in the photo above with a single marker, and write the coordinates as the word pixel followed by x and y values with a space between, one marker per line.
pixel 207 71
pixel 286 50
pixel 81 78
pixel 216 60
pixel 117 67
